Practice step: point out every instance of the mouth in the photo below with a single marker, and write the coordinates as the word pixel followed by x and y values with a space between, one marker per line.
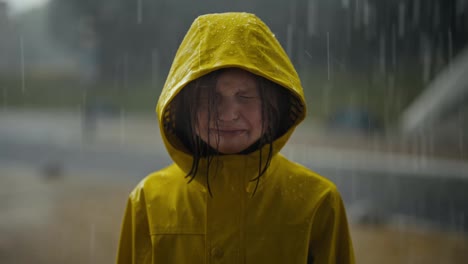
pixel 228 132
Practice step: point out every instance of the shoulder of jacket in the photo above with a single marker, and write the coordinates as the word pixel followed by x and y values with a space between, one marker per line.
pixel 170 172
pixel 299 172
pixel 168 176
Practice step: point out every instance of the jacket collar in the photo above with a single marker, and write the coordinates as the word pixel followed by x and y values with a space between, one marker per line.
pixel 238 171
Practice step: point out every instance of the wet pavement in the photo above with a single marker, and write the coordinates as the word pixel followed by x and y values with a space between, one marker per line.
pixel 375 185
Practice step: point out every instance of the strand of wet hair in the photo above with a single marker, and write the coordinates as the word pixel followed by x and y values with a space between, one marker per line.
pixel 194 139
pixel 266 139
pixel 210 156
pixel 196 158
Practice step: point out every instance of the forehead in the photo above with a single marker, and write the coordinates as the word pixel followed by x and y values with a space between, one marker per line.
pixel 236 79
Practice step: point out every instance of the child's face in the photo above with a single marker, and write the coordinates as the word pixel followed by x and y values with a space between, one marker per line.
pixel 237 124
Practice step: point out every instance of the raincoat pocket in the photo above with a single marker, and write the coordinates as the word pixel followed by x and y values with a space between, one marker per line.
pixel 178 246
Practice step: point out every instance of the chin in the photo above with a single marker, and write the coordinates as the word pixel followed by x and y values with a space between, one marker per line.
pixel 230 150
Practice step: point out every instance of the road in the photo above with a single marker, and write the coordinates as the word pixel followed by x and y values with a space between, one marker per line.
pixel 129 146
pixel 126 147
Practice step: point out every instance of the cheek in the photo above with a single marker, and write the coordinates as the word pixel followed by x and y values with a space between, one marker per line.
pixel 255 119
pixel 200 125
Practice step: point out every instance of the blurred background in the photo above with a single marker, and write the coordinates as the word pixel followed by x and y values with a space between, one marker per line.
pixel 387 89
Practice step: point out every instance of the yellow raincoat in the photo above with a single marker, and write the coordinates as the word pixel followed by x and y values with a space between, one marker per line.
pixel 295 215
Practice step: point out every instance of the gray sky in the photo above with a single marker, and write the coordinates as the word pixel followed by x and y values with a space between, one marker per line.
pixel 17 6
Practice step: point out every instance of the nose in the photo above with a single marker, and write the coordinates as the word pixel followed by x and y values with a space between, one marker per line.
pixel 228 110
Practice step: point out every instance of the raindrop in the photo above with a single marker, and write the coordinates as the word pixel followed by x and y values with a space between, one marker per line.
pixel 416 10
pixel 85 96
pixel 139 12
pixel 23 79
pixel 328 55
pixel 426 57
pixel 382 53
pixel 461 134
pixel 394 48
pixel 357 15
pixel 436 18
pixel 4 96
pixel 366 13
pixel 312 18
pixel 450 44
pixel 401 19
pixel 125 62
pixel 289 41
pixel 345 3
pixel 326 97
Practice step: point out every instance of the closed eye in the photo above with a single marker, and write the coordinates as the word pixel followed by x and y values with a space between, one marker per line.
pixel 246 97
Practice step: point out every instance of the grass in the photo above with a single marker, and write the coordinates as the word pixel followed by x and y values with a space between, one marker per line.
pixel 40 92
pixel 65 92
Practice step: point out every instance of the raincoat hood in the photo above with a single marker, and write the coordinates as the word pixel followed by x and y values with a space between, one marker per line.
pixel 227 40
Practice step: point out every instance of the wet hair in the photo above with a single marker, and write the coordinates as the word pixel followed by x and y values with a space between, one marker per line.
pixel 275 111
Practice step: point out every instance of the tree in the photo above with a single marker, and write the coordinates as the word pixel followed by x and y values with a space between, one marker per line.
pixel 122 33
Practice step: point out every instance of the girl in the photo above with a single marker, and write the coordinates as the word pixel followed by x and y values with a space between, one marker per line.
pixel 230 103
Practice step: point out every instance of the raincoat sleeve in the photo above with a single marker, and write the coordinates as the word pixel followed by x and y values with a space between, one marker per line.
pixel 330 241
pixel 135 239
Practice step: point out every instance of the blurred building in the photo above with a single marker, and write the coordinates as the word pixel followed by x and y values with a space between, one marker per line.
pixel 440 114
